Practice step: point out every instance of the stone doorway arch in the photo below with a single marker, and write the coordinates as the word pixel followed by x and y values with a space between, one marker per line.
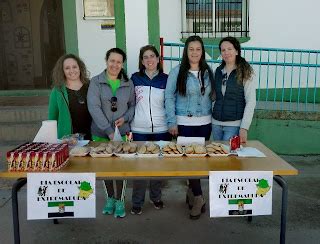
pixel 31 40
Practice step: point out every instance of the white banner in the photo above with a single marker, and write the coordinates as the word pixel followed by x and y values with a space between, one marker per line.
pixel 61 195
pixel 240 193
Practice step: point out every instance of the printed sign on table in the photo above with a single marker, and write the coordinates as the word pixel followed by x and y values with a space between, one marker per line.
pixel 240 193
pixel 61 195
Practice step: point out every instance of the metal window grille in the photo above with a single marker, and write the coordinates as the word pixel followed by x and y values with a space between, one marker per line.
pixel 219 18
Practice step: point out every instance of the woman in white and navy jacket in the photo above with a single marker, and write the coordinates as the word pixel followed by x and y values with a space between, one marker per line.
pixel 149 123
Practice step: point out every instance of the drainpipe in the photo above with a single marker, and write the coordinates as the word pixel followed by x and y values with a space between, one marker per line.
pixel 161 51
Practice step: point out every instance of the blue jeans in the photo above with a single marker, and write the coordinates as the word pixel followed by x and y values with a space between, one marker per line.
pixel 195 131
pixel 140 186
pixel 224 133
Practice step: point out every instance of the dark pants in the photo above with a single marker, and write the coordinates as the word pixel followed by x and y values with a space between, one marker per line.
pixel 195 131
pixel 140 186
pixel 111 190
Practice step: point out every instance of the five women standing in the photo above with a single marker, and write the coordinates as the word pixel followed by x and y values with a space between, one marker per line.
pixel 155 104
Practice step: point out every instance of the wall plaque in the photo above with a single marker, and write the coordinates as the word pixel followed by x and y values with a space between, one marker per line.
pixel 98 9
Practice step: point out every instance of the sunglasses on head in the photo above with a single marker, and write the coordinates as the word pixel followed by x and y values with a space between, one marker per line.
pixel 202 89
pixel 224 79
pixel 81 100
pixel 113 101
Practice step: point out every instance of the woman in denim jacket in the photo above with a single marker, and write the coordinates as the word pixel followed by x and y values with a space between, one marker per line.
pixel 188 103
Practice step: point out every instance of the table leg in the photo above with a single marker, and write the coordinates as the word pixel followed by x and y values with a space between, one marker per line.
pixel 284 205
pixel 15 210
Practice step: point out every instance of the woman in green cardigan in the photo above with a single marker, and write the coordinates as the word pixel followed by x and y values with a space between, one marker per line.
pixel 68 98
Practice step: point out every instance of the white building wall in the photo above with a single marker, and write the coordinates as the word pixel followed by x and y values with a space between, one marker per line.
pixel 136 20
pixel 170 28
pixel 170 20
pixel 284 24
pixel 273 23
pixel 93 42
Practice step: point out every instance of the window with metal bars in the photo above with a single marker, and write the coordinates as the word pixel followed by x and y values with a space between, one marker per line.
pixel 215 18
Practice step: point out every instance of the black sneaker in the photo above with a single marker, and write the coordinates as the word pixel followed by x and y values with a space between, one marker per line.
pixel 136 210
pixel 157 205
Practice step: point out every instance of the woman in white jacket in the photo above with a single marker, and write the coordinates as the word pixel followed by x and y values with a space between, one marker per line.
pixel 149 123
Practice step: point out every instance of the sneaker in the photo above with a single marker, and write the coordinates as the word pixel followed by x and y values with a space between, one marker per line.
pixel 158 204
pixel 136 210
pixel 120 210
pixel 109 206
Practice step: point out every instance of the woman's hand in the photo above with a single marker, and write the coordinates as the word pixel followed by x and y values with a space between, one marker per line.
pixel 243 133
pixel 173 130
pixel 119 122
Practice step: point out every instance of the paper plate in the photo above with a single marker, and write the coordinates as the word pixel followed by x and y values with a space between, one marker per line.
pixel 126 155
pixel 101 155
pixel 148 155
pixel 168 155
pixel 218 155
pixel 225 147
pixel 73 152
pixel 195 155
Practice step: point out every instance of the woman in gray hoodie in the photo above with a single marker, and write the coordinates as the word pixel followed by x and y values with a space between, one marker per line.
pixel 111 103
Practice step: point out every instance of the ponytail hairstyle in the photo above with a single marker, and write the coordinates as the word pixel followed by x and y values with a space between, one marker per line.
pixel 142 51
pixel 185 67
pixel 244 70
pixel 122 74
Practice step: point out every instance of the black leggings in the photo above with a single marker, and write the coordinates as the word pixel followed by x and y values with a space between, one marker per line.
pixel 195 131
pixel 115 193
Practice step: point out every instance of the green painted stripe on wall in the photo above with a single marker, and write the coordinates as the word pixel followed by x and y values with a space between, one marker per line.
pixel 154 23
pixel 120 24
pixel 70 26
pixel 295 137
pixel 288 93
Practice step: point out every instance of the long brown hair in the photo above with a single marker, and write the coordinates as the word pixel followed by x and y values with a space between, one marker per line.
pixel 58 77
pixel 185 66
pixel 244 69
